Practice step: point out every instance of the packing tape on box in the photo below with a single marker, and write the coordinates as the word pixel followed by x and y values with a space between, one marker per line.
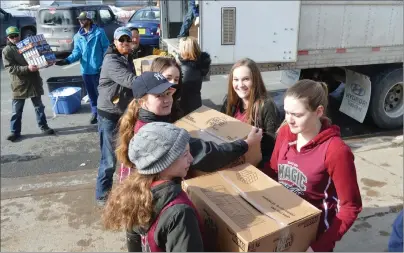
pixel 284 229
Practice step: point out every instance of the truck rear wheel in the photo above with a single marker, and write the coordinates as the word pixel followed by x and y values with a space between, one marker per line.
pixel 386 103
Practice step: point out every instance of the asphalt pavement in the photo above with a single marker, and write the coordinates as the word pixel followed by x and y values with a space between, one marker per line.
pixel 74 147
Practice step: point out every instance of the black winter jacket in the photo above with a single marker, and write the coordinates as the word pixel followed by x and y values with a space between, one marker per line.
pixel 208 156
pixel 268 120
pixel 177 229
pixel 193 73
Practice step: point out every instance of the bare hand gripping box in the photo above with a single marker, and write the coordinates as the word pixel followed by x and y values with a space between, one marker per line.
pixel 211 125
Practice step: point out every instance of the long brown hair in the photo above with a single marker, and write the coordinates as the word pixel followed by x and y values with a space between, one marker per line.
pixel 312 94
pixel 130 203
pixel 126 131
pixel 258 93
pixel 160 64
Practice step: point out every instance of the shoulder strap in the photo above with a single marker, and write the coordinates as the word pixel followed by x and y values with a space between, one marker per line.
pixel 182 198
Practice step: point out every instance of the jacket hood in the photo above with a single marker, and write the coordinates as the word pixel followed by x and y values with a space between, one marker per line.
pixel 111 50
pixel 327 131
pixel 203 62
pixel 163 194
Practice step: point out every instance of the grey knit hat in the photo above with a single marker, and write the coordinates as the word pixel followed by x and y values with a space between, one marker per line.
pixel 156 146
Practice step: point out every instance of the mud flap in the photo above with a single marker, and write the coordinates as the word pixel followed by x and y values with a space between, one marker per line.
pixel 357 93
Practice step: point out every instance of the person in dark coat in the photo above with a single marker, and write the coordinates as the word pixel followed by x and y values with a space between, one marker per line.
pixel 138 50
pixel 26 82
pixel 247 101
pixel 115 93
pixel 195 65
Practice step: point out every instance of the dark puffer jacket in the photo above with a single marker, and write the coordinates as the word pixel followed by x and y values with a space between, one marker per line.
pixel 177 229
pixel 193 74
pixel 116 78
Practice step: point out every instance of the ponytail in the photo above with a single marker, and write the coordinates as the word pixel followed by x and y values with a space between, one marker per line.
pixel 126 131
pixel 313 94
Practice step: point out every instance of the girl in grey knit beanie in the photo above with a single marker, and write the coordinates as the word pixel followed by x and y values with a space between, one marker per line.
pixel 150 204
pixel 160 148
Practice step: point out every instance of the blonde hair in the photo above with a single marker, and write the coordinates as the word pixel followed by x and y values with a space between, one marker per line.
pixel 126 131
pixel 189 49
pixel 312 94
pixel 130 203
pixel 258 93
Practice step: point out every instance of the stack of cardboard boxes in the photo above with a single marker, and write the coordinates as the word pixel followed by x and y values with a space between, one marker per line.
pixel 242 208
pixel 37 51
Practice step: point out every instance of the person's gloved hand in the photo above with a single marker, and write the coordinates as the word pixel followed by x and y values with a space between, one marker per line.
pixel 61 63
pixel 196 23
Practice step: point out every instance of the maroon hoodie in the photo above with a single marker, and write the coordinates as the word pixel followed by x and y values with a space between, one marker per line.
pixel 323 173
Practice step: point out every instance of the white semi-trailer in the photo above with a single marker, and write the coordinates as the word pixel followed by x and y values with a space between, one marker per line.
pixel 359 43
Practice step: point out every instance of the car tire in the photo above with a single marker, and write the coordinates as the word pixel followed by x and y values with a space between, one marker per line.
pixel 386 102
pixel 27 32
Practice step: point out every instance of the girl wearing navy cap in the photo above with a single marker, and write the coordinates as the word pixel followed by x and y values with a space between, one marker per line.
pixel 153 101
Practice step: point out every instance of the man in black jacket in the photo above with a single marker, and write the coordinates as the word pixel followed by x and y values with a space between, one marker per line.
pixel 115 93
pixel 139 50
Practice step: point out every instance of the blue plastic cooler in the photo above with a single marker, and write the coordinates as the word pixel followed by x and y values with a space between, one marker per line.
pixel 66 104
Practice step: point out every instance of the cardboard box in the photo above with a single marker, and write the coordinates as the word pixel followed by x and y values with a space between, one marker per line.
pixel 211 125
pixel 245 210
pixel 147 60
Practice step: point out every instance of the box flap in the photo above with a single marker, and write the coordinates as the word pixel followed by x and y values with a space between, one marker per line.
pixel 196 132
pixel 218 124
pixel 266 195
pixel 251 203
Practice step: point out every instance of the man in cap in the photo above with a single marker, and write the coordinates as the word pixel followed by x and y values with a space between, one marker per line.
pixel 90 45
pixel 25 83
pixel 115 93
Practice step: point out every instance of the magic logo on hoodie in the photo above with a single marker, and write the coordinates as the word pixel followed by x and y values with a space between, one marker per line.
pixel 292 178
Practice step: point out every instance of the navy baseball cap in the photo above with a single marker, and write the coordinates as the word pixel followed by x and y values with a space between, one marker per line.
pixel 150 83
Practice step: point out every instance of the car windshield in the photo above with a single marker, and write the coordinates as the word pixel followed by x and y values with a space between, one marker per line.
pixel 146 15
pixel 57 17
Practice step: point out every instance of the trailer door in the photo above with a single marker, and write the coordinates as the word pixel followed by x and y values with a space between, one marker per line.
pixel 265 31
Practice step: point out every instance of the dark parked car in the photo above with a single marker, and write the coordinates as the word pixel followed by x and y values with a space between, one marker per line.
pixel 26 25
pixel 59 23
pixel 147 20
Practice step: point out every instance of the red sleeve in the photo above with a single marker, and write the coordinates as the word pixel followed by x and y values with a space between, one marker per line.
pixel 341 167
pixel 271 167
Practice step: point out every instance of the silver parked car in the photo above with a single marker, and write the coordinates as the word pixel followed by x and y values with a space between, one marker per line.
pixel 59 23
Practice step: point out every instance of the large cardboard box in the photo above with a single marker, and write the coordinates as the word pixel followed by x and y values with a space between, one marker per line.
pixel 245 210
pixel 211 125
pixel 144 63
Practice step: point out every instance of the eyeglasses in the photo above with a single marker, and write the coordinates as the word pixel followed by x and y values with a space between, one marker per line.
pixel 13 36
pixel 124 39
